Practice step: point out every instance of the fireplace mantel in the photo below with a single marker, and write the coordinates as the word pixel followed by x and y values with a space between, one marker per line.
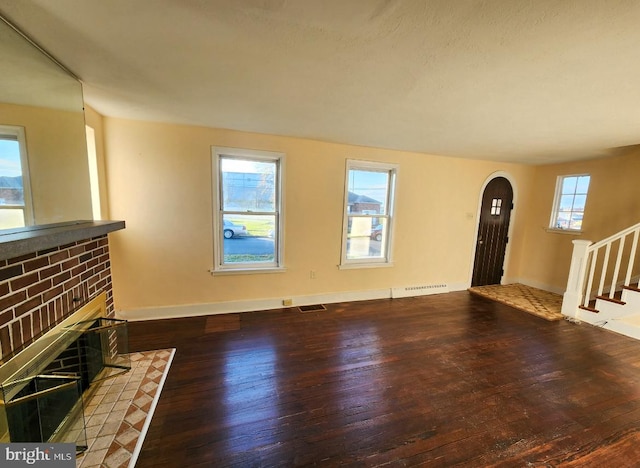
pixel 17 242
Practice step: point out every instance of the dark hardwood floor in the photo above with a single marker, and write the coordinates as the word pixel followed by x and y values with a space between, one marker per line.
pixel 443 380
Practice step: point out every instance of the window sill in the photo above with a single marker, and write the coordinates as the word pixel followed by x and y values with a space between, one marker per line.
pixel 352 266
pixel 247 271
pixel 571 232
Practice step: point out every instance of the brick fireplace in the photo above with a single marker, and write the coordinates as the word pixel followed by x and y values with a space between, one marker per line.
pixel 57 332
pixel 38 289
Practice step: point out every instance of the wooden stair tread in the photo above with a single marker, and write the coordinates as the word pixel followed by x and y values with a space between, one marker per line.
pixel 590 309
pixel 611 299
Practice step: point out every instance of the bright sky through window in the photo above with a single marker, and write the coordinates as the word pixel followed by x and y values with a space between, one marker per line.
pixel 242 165
pixel 10 158
pixel 373 184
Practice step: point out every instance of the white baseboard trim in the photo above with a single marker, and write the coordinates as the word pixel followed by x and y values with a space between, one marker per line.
pixel 453 287
pixel 195 310
pixel 623 328
pixel 215 308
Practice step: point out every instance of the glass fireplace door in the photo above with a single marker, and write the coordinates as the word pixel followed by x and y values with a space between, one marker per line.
pixel 45 408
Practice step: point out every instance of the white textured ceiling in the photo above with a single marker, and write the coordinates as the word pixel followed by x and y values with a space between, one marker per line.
pixel 533 81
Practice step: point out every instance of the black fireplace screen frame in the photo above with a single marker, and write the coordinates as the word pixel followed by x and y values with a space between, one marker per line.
pixel 43 401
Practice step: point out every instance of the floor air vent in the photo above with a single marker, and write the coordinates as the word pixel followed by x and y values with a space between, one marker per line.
pixel 421 290
pixel 312 308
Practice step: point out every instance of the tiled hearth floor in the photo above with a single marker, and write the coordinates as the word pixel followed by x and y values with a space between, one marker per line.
pixel 119 412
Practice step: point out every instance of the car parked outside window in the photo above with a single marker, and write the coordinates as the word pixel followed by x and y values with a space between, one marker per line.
pixel 233 230
pixel 376 233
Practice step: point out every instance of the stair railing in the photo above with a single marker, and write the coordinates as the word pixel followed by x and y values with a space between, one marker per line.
pixel 593 274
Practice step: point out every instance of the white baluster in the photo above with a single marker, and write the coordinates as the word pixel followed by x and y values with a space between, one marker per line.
pixel 605 265
pixel 616 269
pixel 632 256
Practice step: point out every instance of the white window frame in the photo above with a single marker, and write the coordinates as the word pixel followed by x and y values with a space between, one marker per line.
pixel 259 267
pixel 387 261
pixel 555 211
pixel 18 133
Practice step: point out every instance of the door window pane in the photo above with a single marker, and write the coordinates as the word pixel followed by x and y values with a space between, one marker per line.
pixel 496 206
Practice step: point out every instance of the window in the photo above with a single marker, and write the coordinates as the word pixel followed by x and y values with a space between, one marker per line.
pixel 15 191
pixel 368 213
pixel 569 203
pixel 248 202
pixel 496 206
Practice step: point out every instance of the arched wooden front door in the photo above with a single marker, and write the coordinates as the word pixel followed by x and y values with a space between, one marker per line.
pixel 491 244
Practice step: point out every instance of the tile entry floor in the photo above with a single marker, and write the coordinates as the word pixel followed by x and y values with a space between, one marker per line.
pixel 118 413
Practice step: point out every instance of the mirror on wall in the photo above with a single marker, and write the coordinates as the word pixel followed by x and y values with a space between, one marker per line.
pixel 44 172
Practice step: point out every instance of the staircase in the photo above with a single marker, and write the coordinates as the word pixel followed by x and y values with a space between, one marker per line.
pixel 602 288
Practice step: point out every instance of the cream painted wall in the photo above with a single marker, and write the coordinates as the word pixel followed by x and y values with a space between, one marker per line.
pixel 613 203
pixel 57 153
pixel 160 183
